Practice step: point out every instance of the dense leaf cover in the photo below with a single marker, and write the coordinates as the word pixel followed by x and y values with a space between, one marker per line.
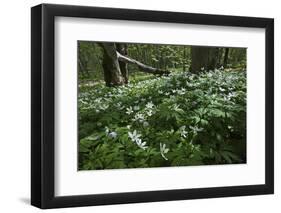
pixel 177 120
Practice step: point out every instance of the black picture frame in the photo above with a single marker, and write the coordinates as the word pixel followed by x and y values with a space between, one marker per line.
pixel 43 102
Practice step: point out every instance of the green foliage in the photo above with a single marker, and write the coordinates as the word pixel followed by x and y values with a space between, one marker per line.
pixel 89 61
pixel 177 120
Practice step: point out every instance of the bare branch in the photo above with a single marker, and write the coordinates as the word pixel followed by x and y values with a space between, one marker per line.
pixel 141 66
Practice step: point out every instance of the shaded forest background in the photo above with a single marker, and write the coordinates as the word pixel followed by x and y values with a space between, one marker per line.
pixel 169 58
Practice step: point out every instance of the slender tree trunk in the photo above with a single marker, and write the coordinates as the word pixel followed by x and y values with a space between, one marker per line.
pixel 220 57
pixel 81 67
pixel 184 59
pixel 225 60
pixel 122 48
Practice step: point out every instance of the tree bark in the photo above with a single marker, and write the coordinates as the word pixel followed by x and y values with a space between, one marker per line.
pixel 184 59
pixel 204 58
pixel 111 68
pixel 225 60
pixel 213 58
pixel 81 67
pixel 199 59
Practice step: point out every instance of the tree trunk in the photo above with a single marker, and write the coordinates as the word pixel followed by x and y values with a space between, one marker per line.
pixel 81 67
pixel 203 58
pixel 122 48
pixel 199 59
pixel 111 68
pixel 220 57
pixel 213 58
pixel 225 60
pixel 113 75
pixel 184 59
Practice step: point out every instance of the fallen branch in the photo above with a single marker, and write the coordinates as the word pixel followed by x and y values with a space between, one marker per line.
pixel 141 66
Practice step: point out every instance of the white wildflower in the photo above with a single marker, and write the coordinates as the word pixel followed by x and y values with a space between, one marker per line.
pixel 134 135
pixel 221 89
pixel 141 144
pixel 181 91
pixel 112 134
pixel 231 94
pixel 183 132
pixel 196 129
pixel 104 106
pixel 163 150
pixel 129 110
pixel 139 117
pixel 149 113
pixel 98 100
pixel 149 105
pixel 176 108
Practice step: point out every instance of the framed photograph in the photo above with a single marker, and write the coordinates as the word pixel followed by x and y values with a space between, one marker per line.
pixel 139 106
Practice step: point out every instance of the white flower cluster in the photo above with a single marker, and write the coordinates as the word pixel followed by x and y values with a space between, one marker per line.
pixel 176 108
pixel 129 110
pixel 181 91
pixel 196 129
pixel 141 116
pixel 183 132
pixel 135 137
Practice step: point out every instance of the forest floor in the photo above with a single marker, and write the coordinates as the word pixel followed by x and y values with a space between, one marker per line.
pixel 177 120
